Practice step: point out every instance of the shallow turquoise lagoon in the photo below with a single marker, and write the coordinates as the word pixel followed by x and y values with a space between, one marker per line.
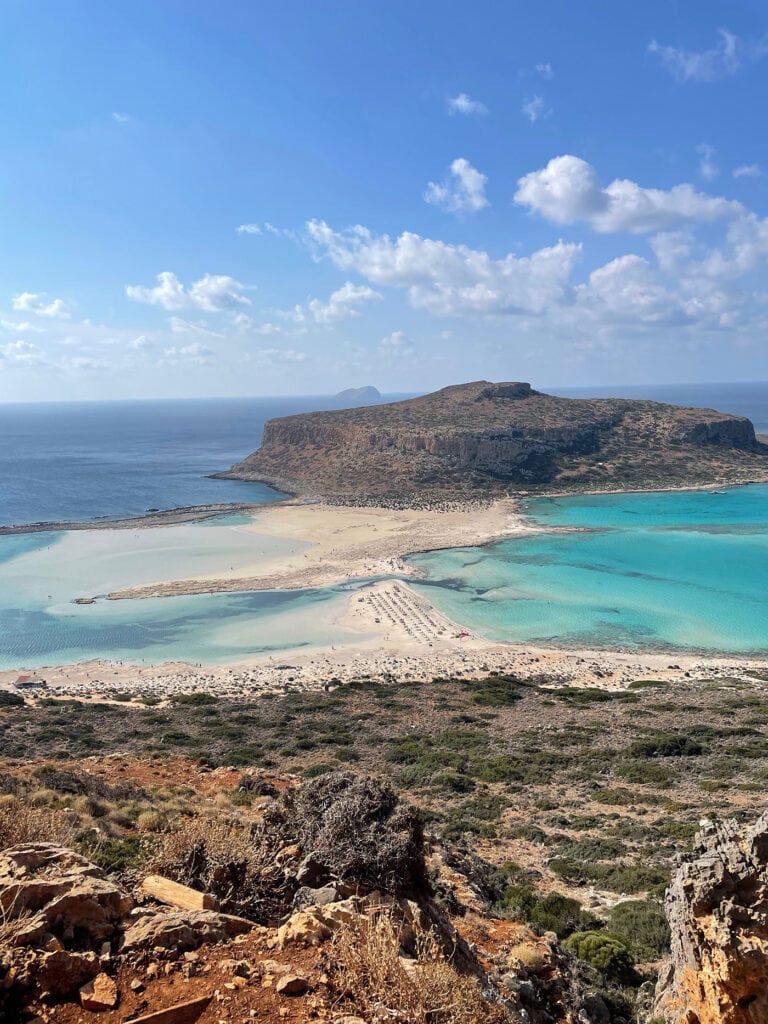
pixel 41 574
pixel 685 570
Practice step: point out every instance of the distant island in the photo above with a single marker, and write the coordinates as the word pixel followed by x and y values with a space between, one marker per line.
pixel 482 438
pixel 367 395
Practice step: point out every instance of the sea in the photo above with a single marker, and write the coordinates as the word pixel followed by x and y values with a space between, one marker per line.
pixel 677 571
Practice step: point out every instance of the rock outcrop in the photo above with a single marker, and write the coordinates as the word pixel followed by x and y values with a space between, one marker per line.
pixel 717 907
pixel 489 437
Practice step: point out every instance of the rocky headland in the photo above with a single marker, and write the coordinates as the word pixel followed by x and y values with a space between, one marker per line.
pixel 486 438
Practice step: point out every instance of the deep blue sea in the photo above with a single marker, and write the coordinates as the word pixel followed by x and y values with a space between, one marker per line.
pixel 684 571
pixel 78 461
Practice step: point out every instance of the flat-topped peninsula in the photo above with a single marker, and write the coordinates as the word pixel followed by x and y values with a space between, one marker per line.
pixel 470 440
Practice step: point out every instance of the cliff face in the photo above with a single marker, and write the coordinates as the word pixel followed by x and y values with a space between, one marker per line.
pixel 717 907
pixel 489 437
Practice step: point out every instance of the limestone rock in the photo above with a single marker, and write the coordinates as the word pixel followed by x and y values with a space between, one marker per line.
pixel 182 930
pixel 292 985
pixel 49 889
pixel 717 907
pixel 99 994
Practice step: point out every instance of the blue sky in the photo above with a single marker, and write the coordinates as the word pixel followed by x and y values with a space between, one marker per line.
pixel 294 198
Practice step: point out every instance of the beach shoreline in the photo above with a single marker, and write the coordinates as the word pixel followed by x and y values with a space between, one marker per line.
pixel 400 636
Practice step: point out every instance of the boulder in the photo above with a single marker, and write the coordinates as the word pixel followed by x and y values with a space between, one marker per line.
pixel 99 994
pixel 50 890
pixel 182 930
pixel 292 985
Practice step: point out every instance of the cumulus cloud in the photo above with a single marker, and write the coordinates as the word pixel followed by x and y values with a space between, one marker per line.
pixel 211 293
pixel 343 303
pixel 195 354
pixel 463 104
pixel 748 171
pixel 248 229
pixel 396 346
pixel 535 108
pixel 462 192
pixel 725 58
pixel 626 289
pixel 568 190
pixel 31 302
pixel 449 279
pixel 708 169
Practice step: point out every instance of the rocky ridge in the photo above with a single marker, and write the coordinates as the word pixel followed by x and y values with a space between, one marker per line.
pixel 487 438
pixel 717 907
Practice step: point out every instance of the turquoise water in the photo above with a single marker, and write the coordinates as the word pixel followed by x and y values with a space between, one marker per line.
pixel 41 574
pixel 685 570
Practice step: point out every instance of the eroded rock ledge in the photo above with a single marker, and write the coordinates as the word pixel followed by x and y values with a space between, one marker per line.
pixel 717 907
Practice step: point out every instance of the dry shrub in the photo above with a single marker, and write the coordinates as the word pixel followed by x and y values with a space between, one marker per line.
pixel 21 822
pixel 357 827
pixel 372 981
pixel 231 860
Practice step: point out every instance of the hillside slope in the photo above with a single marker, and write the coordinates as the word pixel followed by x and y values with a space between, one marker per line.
pixel 488 438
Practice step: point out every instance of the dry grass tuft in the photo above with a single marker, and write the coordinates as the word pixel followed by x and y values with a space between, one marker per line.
pixel 372 980
pixel 21 822
pixel 232 860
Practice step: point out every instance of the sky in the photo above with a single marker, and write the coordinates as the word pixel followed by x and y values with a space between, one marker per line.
pixel 301 196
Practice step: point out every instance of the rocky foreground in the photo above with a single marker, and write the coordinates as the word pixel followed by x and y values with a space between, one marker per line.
pixel 485 438
pixel 330 903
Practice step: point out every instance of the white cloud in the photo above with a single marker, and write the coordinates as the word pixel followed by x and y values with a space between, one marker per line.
pixel 535 108
pixel 708 169
pixel 30 302
pixel 725 58
pixel 568 190
pixel 396 346
pixel 211 293
pixel 22 355
pixel 545 70
pixel 195 354
pixel 278 356
pixel 451 280
pixel 464 192
pixel 671 248
pixel 463 104
pixel 248 229
pixel 121 118
pixel 141 344
pixel 748 171
pixel 626 289
pixel 343 303
pixel 180 326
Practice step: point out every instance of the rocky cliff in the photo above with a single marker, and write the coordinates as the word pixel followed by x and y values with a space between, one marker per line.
pixel 491 437
pixel 717 907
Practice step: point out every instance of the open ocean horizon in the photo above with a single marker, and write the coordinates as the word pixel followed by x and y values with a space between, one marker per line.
pixel 85 461
pixel 653 571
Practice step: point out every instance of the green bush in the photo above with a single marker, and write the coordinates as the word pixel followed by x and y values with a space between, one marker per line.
pixel 195 700
pixel 642 925
pixel 10 700
pixel 614 877
pixel 606 953
pixel 557 913
pixel 663 744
